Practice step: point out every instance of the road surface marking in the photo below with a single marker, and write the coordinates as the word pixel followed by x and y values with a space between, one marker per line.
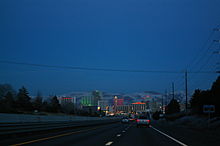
pixel 109 143
pixel 51 137
pixel 123 131
pixel 118 135
pixel 169 136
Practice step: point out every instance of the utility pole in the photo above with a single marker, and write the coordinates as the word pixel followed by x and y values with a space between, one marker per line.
pixel 173 89
pixel 162 103
pixel 186 88
pixel 166 102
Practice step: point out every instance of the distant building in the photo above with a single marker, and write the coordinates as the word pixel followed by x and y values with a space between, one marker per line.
pixel 139 107
pixel 90 109
pixel 118 101
pixel 97 95
pixel 66 100
pixel 88 101
pixel 132 108
pixel 103 104
pixel 91 99
pixel 155 106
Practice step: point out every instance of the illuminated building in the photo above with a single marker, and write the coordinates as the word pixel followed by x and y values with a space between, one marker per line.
pixel 132 108
pixel 138 107
pixel 88 101
pixel 66 100
pixel 103 104
pixel 118 102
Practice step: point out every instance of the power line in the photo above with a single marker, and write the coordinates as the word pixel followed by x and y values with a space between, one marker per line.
pixel 99 69
pixel 197 58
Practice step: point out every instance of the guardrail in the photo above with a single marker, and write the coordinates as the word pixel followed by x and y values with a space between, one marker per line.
pixel 21 129
pixel 24 118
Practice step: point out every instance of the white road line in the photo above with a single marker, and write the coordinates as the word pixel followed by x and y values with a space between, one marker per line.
pixel 109 143
pixel 169 136
pixel 118 135
pixel 123 131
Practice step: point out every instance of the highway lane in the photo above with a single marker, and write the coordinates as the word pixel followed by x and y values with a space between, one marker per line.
pixel 116 134
pixel 144 137
pixel 77 135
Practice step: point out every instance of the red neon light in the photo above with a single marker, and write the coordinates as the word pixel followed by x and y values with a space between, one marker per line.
pixel 138 103
pixel 66 98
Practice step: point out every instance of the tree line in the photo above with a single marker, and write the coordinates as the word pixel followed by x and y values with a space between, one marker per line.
pixel 21 102
pixel 198 100
pixel 206 97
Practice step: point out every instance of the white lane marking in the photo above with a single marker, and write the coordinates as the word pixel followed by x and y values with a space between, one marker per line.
pixel 169 136
pixel 118 135
pixel 109 143
pixel 123 131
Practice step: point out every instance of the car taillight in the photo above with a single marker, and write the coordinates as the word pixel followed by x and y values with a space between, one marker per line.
pixel 148 121
pixel 138 120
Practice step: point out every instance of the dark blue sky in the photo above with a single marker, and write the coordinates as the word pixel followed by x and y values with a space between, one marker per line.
pixel 119 34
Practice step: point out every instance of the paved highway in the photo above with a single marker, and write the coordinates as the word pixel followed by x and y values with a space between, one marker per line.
pixel 116 134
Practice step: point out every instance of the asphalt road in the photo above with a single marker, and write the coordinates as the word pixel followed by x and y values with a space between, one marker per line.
pixel 116 134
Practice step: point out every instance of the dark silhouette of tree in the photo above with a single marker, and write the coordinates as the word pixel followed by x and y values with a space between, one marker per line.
pixel 23 100
pixel 173 107
pixel 68 108
pixel 156 115
pixel 7 103
pixel 55 106
pixel 45 106
pixel 215 93
pixel 199 99
pixel 195 101
pixel 38 102
pixel 5 88
pixel 206 97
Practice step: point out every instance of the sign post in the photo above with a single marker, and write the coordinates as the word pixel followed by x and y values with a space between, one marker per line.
pixel 208 109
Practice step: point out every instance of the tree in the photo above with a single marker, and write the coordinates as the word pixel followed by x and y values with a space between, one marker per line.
pixel 45 106
pixel 156 115
pixel 173 107
pixel 5 88
pixel 55 106
pixel 7 103
pixel 68 108
pixel 23 100
pixel 195 101
pixel 206 97
pixel 215 93
pixel 38 103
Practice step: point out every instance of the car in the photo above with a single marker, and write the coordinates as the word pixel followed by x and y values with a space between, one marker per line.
pixel 132 119
pixel 124 120
pixel 143 120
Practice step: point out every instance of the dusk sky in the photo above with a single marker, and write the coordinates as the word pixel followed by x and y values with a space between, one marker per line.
pixel 158 35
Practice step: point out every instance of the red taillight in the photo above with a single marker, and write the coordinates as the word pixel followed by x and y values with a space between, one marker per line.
pixel 148 121
pixel 138 120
